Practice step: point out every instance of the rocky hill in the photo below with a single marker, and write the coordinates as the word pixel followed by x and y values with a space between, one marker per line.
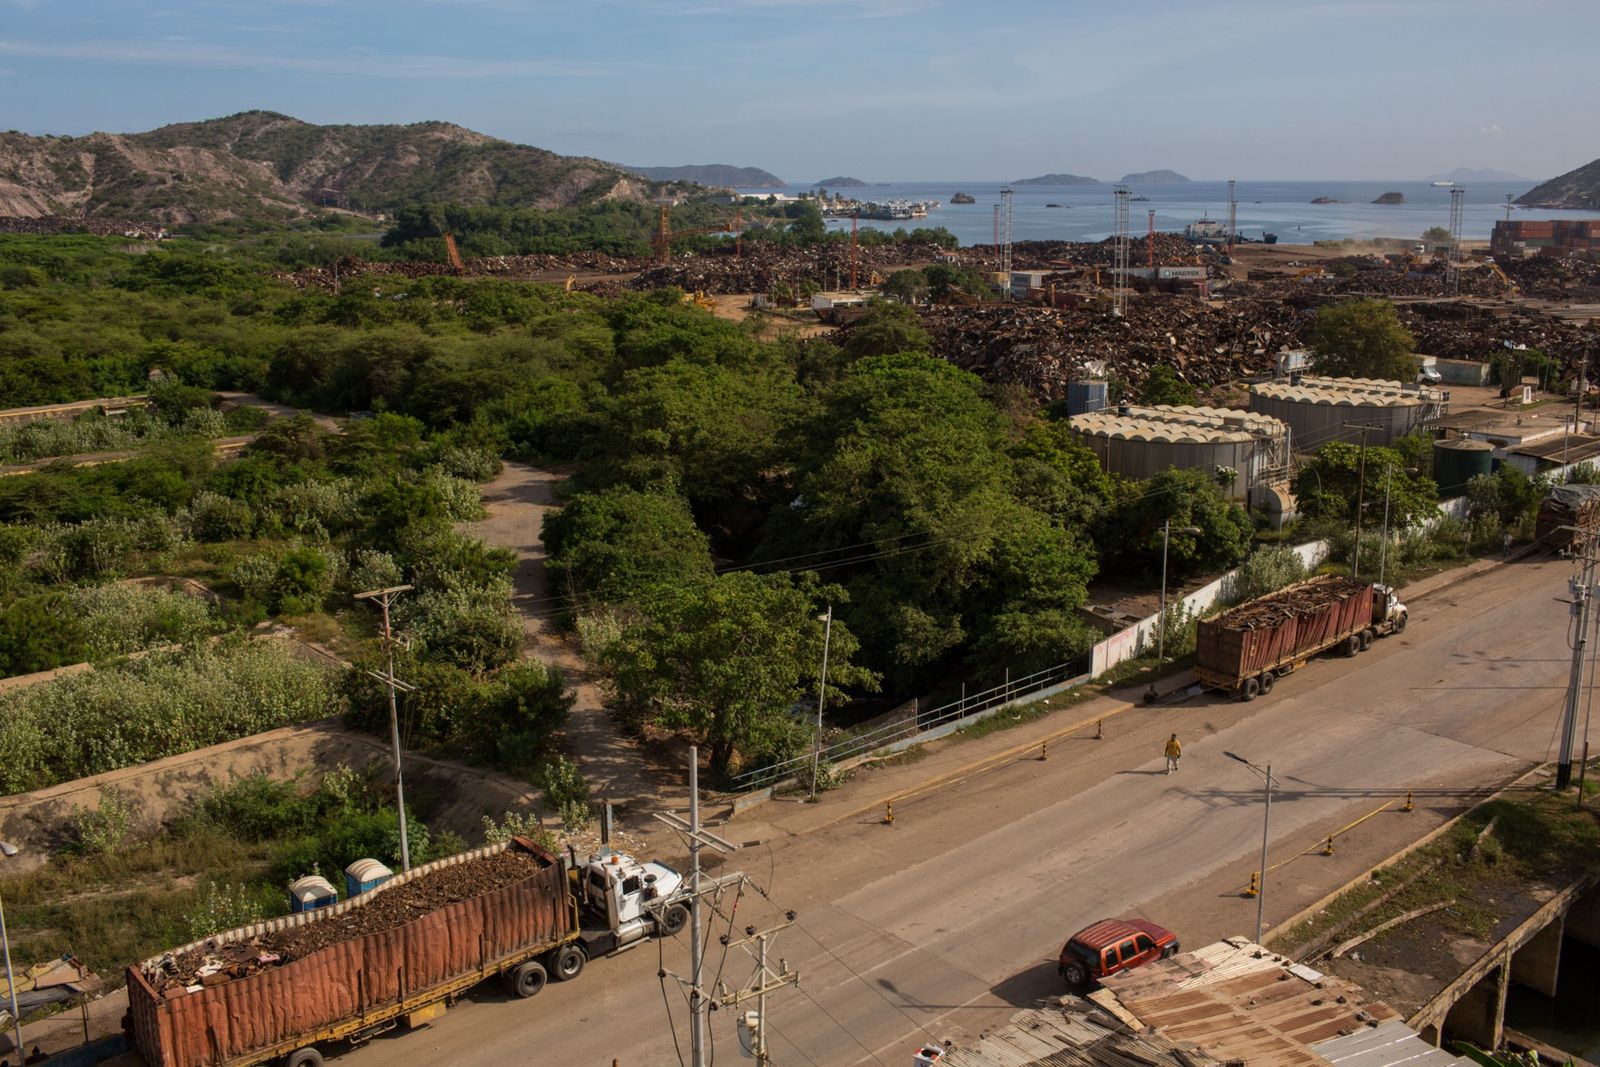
pixel 1576 190
pixel 262 165
pixel 1153 177
pixel 1057 179
pixel 721 175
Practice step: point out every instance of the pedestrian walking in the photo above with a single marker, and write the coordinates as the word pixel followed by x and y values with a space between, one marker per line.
pixel 1174 751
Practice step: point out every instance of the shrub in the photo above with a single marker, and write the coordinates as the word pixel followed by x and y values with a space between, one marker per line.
pixel 161 705
pixel 214 517
pixel 223 906
pixel 301 582
pixel 104 830
pixel 119 619
pixel 475 630
pixel 371 569
pixel 567 792
pixel 527 824
pixel 469 462
pixel 1268 569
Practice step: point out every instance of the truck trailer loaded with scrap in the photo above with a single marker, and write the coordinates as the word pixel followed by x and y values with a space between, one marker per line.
pixel 1246 649
pixel 285 989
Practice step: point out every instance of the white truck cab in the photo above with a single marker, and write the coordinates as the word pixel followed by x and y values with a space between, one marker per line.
pixel 1387 609
pixel 623 901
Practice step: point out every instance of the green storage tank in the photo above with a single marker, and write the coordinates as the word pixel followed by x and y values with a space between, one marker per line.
pixel 1456 462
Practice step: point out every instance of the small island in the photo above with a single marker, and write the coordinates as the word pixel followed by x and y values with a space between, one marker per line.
pixel 1153 177
pixel 1326 200
pixel 1391 198
pixel 842 183
pixel 963 198
pixel 1057 179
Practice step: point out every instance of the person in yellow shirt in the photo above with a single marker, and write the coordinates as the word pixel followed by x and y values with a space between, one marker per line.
pixel 1174 750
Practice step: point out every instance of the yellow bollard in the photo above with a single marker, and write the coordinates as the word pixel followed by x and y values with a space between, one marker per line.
pixel 1254 889
pixel 1327 848
pixel 1408 806
pixel 888 813
pixel 1044 749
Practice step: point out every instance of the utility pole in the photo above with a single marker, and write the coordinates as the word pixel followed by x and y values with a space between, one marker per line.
pixel 822 697
pixel 698 838
pixel 1361 494
pixel 1580 588
pixel 763 981
pixel 1383 545
pixel 384 597
pixel 1119 270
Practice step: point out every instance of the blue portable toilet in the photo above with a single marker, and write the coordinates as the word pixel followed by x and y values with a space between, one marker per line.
pixel 363 875
pixel 310 893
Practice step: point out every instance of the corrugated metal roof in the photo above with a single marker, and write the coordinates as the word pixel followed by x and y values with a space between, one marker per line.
pixel 1237 1000
pixel 1075 1033
pixel 1390 1044
pixel 1175 423
pixel 1341 392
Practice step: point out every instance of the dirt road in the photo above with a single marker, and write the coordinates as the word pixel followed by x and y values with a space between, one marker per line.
pixel 943 923
pixel 617 768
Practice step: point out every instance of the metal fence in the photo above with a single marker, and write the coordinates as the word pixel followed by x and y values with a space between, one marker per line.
pixel 914 723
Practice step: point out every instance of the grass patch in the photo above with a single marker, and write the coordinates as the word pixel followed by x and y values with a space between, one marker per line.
pixel 1540 842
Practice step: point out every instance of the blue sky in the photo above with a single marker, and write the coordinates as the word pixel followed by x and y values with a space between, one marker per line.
pixel 880 89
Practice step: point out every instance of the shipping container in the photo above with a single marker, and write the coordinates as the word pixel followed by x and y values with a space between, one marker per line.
pixel 1244 650
pixel 354 987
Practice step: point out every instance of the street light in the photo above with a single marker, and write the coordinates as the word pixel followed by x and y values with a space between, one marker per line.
pixel 1266 821
pixel 8 850
pixel 1383 545
pixel 1161 624
pixel 822 696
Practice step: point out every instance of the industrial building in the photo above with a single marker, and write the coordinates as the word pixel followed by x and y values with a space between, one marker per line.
pixel 1141 442
pixel 1319 410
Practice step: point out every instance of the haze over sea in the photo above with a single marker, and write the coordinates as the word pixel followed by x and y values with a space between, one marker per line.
pixel 1283 208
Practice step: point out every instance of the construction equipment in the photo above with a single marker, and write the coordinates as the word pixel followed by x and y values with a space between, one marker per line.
pixel 570 279
pixel 1309 272
pixel 662 242
pixel 454 253
pixel 699 299
pixel 1503 276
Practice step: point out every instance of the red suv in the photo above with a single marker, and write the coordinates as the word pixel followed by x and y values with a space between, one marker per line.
pixel 1113 945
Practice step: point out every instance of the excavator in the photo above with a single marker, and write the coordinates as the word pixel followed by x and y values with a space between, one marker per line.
pixel 1309 272
pixel 699 299
pixel 1503 276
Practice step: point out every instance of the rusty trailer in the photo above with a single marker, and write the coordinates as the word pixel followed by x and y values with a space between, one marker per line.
pixel 353 987
pixel 1246 649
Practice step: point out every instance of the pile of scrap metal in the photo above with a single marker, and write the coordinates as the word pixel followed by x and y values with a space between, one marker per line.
pixel 762 267
pixel 349 267
pixel 1552 278
pixel 1459 330
pixel 44 984
pixel 1042 349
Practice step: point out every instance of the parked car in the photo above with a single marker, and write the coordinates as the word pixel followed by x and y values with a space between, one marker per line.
pixel 1112 945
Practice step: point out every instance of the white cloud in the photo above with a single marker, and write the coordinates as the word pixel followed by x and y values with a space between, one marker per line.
pixel 1492 130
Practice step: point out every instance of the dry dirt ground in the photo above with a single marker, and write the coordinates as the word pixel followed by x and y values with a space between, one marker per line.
pixel 618 768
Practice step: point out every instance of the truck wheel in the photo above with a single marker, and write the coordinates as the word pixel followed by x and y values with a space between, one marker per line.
pixel 1249 689
pixel 1400 623
pixel 305 1057
pixel 675 918
pixel 1267 681
pixel 526 980
pixel 1366 639
pixel 1352 645
pixel 1076 975
pixel 569 963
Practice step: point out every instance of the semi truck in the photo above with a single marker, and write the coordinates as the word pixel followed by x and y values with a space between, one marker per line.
pixel 283 990
pixel 1565 511
pixel 1246 649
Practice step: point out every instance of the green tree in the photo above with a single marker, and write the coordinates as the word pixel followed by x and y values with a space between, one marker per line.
pixel 1163 386
pixel 726 662
pixel 1131 535
pixel 1329 485
pixel 885 330
pixel 906 286
pixel 1362 339
pixel 622 545
pixel 1435 235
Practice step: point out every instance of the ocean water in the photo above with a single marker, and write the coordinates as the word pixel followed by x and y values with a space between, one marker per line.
pixel 1284 208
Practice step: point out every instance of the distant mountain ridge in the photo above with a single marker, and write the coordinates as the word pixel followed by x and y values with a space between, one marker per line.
pixel 1153 177
pixel 714 174
pixel 264 165
pixel 1476 174
pixel 1576 190
pixel 1057 179
pixel 844 183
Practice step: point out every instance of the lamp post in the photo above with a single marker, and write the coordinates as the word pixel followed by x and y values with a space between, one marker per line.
pixel 8 850
pixel 1266 822
pixel 822 697
pixel 1161 622
pixel 1383 545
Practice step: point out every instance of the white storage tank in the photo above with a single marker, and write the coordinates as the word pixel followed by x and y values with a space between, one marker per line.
pixel 1141 442
pixel 1317 410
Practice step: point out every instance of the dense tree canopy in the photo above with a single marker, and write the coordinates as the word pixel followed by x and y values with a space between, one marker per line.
pixel 1362 339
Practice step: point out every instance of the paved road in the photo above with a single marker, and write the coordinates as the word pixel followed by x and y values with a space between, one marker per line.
pixel 941 925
